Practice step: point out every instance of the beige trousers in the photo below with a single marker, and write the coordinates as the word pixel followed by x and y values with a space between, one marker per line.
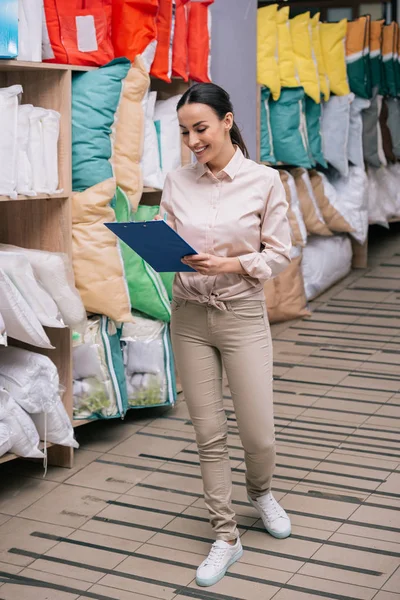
pixel 205 338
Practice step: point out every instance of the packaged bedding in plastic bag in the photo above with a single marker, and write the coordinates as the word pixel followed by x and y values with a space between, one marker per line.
pixel 5 438
pixel 3 333
pixel 99 385
pixel 148 361
pixel 24 436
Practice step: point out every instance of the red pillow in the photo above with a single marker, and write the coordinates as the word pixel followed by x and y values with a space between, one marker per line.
pixel 162 64
pixel 180 59
pixel 79 36
pixel 133 26
pixel 199 40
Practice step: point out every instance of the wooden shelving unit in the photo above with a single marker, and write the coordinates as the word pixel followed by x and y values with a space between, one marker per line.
pixel 44 222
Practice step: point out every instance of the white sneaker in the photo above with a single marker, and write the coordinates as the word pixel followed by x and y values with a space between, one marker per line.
pixel 275 519
pixel 222 555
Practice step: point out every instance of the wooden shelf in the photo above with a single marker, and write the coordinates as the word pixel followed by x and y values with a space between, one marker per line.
pixel 20 65
pixel 9 456
pixel 60 196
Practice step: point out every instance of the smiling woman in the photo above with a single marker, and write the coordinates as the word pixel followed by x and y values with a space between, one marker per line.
pixel 233 212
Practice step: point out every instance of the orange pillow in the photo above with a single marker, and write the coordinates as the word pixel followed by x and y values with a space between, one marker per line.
pixel 133 26
pixel 162 64
pixel 180 59
pixel 199 41
pixel 79 36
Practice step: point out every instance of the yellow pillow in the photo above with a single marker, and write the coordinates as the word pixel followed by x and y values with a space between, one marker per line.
pixel 333 36
pixel 267 50
pixel 316 42
pixel 287 68
pixel 300 29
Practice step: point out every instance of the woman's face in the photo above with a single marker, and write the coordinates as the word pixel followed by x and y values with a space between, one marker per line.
pixel 203 132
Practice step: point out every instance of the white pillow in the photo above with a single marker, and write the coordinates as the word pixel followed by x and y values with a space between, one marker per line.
pixel 335 131
pixel 150 163
pixel 8 139
pixel 55 273
pixel 20 320
pixel 30 30
pixel 5 438
pixel 51 133
pixel 355 153
pixel 25 438
pixel 3 333
pixel 352 200
pixel 19 270
pixel 170 137
pixel 24 168
pixel 31 379
pixel 377 213
pixel 58 429
pixel 296 208
pixel 35 149
pixel 326 260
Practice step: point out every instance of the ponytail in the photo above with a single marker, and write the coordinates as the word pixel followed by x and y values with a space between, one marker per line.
pixel 218 99
pixel 237 140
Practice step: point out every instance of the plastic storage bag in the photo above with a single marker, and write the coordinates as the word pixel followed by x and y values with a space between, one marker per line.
pixel 148 360
pixel 8 139
pixel 24 168
pixel 5 438
pixel 25 438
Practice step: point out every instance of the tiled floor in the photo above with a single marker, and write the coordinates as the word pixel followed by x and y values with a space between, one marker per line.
pixel 128 521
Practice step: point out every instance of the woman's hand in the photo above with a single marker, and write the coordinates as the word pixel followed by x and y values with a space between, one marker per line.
pixel 208 264
pixel 157 218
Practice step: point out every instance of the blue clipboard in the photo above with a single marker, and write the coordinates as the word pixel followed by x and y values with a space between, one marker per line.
pixel 156 242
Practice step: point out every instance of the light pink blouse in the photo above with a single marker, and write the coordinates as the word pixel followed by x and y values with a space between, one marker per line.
pixel 240 213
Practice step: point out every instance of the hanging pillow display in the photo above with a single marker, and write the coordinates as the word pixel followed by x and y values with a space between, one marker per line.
pixel 146 287
pixel 355 152
pixel 134 29
pixel 335 131
pixel 301 32
pixel 98 266
pixel 162 63
pixel 317 48
pixel 199 40
pixel 333 37
pixel 357 56
pixel 332 217
pixel 267 50
pixel 393 123
pixel 266 143
pixel 372 135
pixel 313 119
pixel 78 33
pixel 295 216
pixel 180 58
pixel 99 385
pixel 287 68
pixel 313 219
pixel 389 50
pixel 289 130
pixel 95 99
pixel 375 53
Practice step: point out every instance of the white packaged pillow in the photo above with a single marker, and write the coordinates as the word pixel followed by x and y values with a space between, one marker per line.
pixel 30 378
pixel 24 168
pixel 51 133
pixel 150 163
pixel 25 438
pixel 3 333
pixel 8 139
pixel 326 260
pixel 35 150
pixel 352 200
pixel 30 30
pixel 377 214
pixel 54 272
pixel 355 152
pixel 21 322
pixel 5 438
pixel 19 270
pixel 335 131
pixel 58 429
pixel 295 206
pixel 170 138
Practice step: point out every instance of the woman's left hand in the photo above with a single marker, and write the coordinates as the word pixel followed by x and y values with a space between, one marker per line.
pixel 208 264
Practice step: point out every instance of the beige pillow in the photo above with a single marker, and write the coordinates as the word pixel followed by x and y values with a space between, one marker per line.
pixel 311 212
pixel 128 134
pixel 98 267
pixel 334 220
pixel 295 227
pixel 284 295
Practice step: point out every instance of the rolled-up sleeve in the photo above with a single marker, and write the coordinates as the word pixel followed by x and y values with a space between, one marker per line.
pixel 166 203
pixel 275 237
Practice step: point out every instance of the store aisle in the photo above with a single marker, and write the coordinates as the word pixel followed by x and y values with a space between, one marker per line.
pixel 128 522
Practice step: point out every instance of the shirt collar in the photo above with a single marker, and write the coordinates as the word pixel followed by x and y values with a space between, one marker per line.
pixel 231 168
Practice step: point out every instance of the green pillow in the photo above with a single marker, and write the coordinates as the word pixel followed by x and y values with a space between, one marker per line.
pixel 313 119
pixel 266 144
pixel 95 99
pixel 147 290
pixel 289 130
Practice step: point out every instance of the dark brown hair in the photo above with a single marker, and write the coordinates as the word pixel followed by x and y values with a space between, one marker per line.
pixel 218 99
